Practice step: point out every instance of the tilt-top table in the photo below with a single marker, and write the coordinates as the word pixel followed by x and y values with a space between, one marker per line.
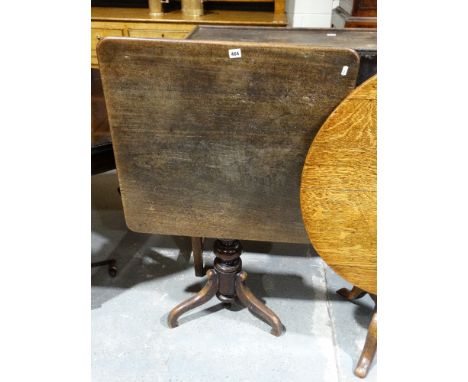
pixel 339 199
pixel 210 140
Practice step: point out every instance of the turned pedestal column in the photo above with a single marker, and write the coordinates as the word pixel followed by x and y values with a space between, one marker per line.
pixel 227 281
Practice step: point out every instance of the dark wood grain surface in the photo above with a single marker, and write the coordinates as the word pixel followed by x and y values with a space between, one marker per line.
pixel 357 39
pixel 363 41
pixel 211 146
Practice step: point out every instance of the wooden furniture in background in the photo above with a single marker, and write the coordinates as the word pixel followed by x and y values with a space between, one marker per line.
pixel 138 22
pixel 100 133
pixel 363 41
pixel 339 198
pixel 212 146
pixel 195 8
pixel 192 8
pixel 155 7
pixel 355 14
pixel 102 155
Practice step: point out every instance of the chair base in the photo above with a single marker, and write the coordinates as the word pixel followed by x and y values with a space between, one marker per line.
pixel 111 266
pixel 227 282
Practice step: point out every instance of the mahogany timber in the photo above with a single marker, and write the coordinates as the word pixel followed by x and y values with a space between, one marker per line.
pixel 209 146
pixel 364 8
pixel 342 19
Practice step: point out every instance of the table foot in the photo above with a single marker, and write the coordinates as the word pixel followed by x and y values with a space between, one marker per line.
pixel 370 348
pixel 207 292
pixel 248 299
pixel 352 294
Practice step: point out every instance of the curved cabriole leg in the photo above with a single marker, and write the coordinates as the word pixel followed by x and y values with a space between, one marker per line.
pixel 248 299
pixel 207 292
pixel 370 347
pixel 352 294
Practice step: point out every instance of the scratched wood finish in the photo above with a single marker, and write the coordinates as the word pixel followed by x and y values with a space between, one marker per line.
pixel 208 146
pixel 339 189
pixel 363 41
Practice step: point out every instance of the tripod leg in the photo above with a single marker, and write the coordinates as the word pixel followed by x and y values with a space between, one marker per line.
pixel 352 294
pixel 248 299
pixel 207 292
pixel 370 347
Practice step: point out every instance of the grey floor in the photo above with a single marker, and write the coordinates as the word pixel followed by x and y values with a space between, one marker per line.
pixel 130 338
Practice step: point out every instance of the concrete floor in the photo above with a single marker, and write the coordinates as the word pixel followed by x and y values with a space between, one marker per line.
pixel 130 338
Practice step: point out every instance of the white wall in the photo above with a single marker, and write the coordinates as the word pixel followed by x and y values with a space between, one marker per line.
pixel 310 13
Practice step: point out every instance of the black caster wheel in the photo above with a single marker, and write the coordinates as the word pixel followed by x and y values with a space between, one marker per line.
pixel 112 269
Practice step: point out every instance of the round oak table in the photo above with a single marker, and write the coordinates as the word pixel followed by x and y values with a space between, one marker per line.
pixel 339 199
